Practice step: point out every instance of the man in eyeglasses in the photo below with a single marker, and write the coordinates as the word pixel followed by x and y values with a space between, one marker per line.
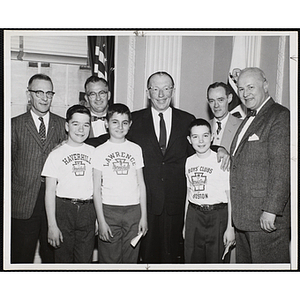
pixel 33 135
pixel 161 130
pixel 98 96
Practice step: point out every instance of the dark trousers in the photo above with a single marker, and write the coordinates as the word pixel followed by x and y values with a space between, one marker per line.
pixel 26 233
pixel 124 224
pixel 204 231
pixel 163 242
pixel 77 224
pixel 263 247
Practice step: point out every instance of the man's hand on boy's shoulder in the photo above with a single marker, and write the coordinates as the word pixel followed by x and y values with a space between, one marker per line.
pixel 224 157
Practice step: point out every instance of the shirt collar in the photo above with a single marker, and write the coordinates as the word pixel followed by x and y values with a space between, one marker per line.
pixel 167 112
pixel 36 117
pixel 262 105
pixel 223 121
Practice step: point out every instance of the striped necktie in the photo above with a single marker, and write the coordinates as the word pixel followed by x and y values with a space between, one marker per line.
pixel 42 130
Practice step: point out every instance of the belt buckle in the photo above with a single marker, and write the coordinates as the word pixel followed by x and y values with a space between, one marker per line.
pixel 74 201
pixel 205 207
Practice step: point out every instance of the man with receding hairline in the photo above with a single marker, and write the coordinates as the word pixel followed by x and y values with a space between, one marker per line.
pixel 33 135
pixel 161 132
pixel 260 175
pixel 98 97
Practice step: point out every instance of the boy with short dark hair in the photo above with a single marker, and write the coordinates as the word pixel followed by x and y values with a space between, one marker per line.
pixel 69 192
pixel 208 229
pixel 119 190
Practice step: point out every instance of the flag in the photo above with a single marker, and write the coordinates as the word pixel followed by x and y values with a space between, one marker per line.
pixel 101 58
pixel 238 62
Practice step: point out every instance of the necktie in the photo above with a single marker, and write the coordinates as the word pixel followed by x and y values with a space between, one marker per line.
pixel 42 130
pixel 95 118
pixel 219 127
pixel 162 133
pixel 251 113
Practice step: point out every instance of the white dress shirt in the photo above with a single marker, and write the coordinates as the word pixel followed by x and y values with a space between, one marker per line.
pixel 37 122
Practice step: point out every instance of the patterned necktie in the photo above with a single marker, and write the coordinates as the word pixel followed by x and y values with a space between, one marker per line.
pixel 219 127
pixel 42 130
pixel 162 134
pixel 95 118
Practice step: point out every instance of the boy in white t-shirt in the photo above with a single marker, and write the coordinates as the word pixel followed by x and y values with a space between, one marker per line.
pixel 69 192
pixel 208 229
pixel 119 190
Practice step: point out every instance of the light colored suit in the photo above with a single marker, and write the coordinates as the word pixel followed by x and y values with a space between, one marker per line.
pixel 230 129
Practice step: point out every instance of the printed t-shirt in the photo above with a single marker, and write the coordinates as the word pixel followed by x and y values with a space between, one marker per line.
pixel 72 166
pixel 206 182
pixel 118 163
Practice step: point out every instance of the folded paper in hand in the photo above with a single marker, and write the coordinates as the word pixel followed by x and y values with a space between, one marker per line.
pixel 253 137
pixel 136 239
pixel 226 251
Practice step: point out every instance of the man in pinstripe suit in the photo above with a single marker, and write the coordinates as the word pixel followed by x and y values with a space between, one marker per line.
pixel 32 139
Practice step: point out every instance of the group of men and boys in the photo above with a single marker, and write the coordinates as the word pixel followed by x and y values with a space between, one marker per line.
pixel 158 172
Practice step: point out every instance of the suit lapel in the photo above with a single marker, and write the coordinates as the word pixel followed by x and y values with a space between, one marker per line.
pixel 51 129
pixel 256 123
pixel 149 127
pixel 175 128
pixel 228 129
pixel 32 130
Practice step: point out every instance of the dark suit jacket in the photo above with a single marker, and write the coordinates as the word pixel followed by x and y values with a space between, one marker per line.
pixel 260 169
pixel 96 141
pixel 164 174
pixel 230 129
pixel 28 156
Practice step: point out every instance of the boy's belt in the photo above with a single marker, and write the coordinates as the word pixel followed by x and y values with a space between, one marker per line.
pixel 208 207
pixel 78 201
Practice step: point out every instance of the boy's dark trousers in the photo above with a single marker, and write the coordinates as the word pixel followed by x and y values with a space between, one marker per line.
pixel 77 224
pixel 204 235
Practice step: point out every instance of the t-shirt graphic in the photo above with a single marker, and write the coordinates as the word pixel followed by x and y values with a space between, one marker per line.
pixel 121 167
pixel 199 181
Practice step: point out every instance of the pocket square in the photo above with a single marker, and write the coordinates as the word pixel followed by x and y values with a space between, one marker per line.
pixel 253 137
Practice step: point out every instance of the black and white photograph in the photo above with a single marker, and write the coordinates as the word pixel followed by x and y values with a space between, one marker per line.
pixel 150 150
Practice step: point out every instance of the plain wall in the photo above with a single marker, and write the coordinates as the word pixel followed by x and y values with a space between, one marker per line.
pixel 196 74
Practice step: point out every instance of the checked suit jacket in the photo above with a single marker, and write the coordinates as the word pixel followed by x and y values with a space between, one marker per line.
pixel 260 169
pixel 164 174
pixel 28 156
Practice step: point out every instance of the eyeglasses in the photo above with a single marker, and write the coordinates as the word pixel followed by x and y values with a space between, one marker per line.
pixel 41 94
pixel 94 96
pixel 156 90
